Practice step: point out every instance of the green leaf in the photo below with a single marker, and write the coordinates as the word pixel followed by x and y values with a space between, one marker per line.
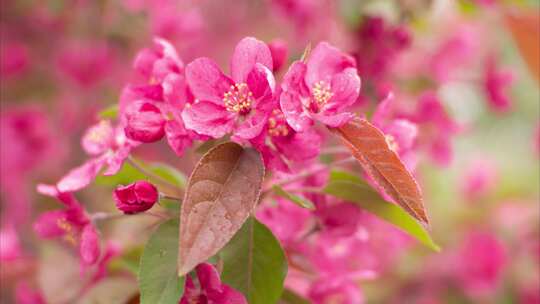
pixel 169 174
pixel 254 263
pixel 126 175
pixel 290 297
pixel 300 201
pixel 129 174
pixel 368 199
pixel 336 175
pixel 158 279
pixel 110 112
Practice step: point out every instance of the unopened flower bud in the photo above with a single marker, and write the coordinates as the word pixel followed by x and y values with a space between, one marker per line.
pixel 145 123
pixel 136 197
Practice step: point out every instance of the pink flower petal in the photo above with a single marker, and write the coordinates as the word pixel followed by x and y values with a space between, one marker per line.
pixel 248 52
pixel 252 126
pixel 89 247
pixel 294 112
pixel 333 120
pixel 326 61
pixel 98 138
pixel 81 176
pixel 346 88
pixel 207 118
pixel 178 137
pixel 261 82
pixel 206 80
pixel 47 224
pixel 301 146
pixel 116 159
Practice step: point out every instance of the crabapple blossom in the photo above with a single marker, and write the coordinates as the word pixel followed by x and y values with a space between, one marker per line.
pixel 280 145
pixel 321 88
pixel 496 81
pixel 481 261
pixel 239 105
pixel 209 288
pixel 165 92
pixel 71 223
pixel 110 148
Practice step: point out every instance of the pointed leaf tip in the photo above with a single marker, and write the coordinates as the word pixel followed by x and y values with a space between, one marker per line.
pixel 369 146
pixel 223 189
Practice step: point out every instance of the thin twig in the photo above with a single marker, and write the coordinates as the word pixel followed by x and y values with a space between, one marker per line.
pixel 307 173
pixel 169 197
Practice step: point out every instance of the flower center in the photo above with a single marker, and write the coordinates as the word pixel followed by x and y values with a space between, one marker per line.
pixel 321 93
pixel 99 133
pixel 238 99
pixel 70 236
pixel 277 125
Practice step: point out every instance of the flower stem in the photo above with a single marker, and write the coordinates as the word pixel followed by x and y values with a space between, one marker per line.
pixel 307 173
pixel 158 179
pixel 169 197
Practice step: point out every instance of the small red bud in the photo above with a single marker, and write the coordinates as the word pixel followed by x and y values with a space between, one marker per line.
pixel 136 197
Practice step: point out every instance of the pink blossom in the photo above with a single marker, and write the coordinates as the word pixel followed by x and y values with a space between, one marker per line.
pixel 335 290
pixel 287 221
pixel 436 128
pixel 240 105
pixel 279 50
pixel 31 141
pixel 29 145
pixel 72 223
pixel 496 83
pixel 378 46
pixel 176 23
pixel 308 16
pixel 165 92
pixel 454 52
pixel 401 133
pixel 110 148
pixel 480 263
pixel 281 146
pixel 13 58
pixel 24 294
pixel 158 62
pixel 10 245
pixel 209 289
pixel 136 197
pixel 479 178
pixel 90 245
pixel 320 89
pixel 86 63
pixel 338 218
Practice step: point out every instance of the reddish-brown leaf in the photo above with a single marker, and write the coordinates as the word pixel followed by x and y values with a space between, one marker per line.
pixel 525 28
pixel 369 146
pixel 222 191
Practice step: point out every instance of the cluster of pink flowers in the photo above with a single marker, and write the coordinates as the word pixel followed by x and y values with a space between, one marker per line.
pixel 199 102
pixel 272 99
